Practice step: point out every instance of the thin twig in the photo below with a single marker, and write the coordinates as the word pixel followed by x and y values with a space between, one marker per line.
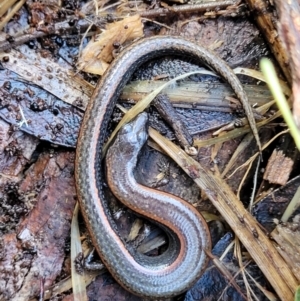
pixel 188 8
pixel 254 185
pixel 59 28
pixel 158 23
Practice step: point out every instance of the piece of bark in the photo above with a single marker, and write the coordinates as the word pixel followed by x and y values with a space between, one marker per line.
pixel 59 80
pixel 168 113
pixel 264 18
pixel 281 163
pixel 38 112
pixel 278 168
pixel 37 249
pixel 289 29
pixel 12 270
pixel 16 149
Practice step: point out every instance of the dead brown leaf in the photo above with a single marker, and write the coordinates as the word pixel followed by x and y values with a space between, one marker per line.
pixel 98 53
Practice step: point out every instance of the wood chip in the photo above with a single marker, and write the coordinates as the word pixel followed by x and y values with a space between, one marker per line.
pixel 288 238
pixel 279 168
pixel 135 229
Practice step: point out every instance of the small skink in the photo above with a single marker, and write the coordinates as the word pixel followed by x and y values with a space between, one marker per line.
pixel 164 278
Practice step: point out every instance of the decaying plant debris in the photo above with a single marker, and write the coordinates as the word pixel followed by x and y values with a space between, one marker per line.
pixel 99 52
pixel 45 86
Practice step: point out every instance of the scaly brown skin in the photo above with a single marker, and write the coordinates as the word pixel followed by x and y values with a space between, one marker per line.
pixel 151 279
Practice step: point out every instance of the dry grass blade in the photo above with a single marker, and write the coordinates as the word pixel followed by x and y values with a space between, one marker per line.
pixel 11 12
pixel 223 138
pixel 251 159
pixel 210 216
pixel 284 106
pixel 78 283
pixel 258 75
pixel 239 150
pixel 297 295
pixel 238 255
pixel 142 105
pixel 66 284
pixel 243 121
pixel 222 268
pixel 237 132
pixel 267 293
pixel 227 250
pixel 190 94
pixel 252 198
pixel 293 205
pixel 245 175
pixel 222 296
pixel 240 220
pixel 83 38
pixel 5 5
pixel 245 142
